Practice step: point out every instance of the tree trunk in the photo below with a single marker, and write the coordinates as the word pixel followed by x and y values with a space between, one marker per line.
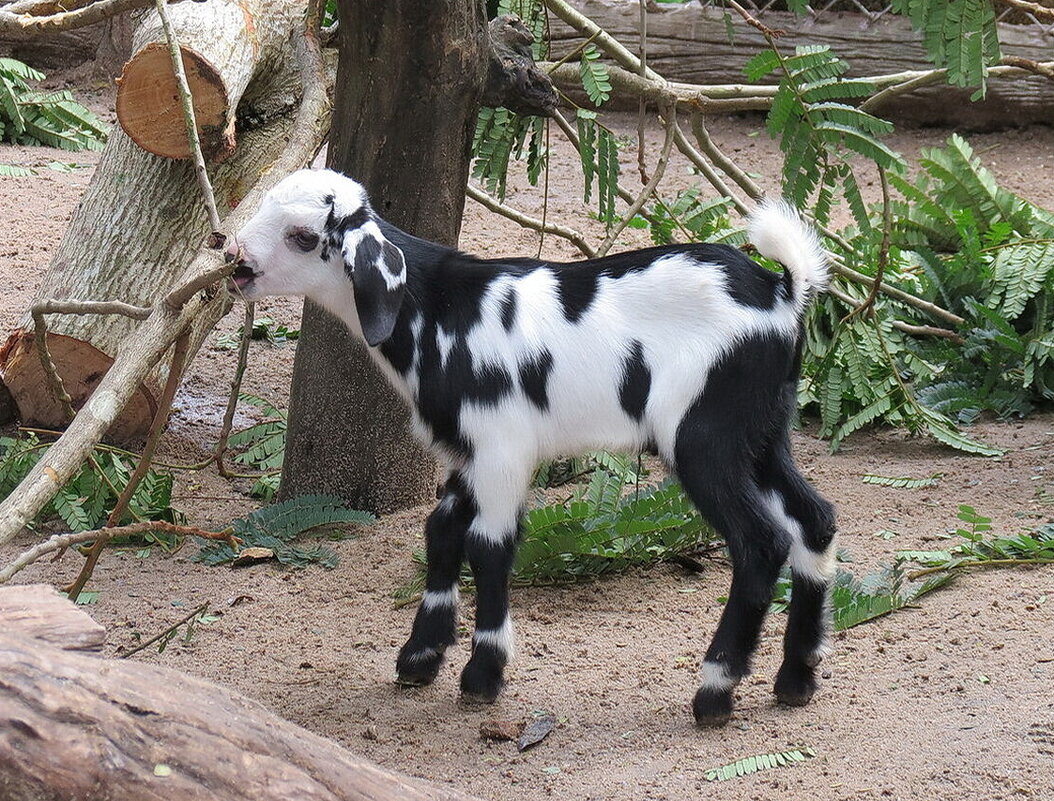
pixel 128 239
pixel 409 80
pixel 80 728
pixel 690 43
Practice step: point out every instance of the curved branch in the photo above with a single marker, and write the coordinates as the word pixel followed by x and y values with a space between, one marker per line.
pixel 20 25
pixel 570 234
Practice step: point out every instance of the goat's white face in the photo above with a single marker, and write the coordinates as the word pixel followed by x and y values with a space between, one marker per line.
pixel 313 235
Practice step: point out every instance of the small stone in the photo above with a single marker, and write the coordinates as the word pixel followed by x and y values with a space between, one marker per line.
pixel 500 729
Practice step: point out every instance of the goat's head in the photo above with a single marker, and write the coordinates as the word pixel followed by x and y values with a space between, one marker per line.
pixel 313 234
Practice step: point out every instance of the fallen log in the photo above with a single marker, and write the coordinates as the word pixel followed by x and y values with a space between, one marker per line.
pixel 83 728
pixel 689 43
pixel 38 611
pixel 129 236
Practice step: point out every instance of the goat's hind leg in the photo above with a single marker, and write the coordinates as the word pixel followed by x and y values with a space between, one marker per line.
pixel 810 521
pixel 435 626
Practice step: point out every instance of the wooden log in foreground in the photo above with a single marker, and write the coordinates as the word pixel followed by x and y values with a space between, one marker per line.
pixel 81 728
pixel 689 43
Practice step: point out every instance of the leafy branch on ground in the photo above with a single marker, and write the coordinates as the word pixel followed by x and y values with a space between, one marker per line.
pixel 758 763
pixel 276 527
pixel 86 501
pixel 52 118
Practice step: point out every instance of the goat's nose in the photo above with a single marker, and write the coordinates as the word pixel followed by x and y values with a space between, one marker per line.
pixel 232 253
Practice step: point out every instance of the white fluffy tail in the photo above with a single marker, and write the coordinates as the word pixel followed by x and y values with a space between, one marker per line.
pixel 779 233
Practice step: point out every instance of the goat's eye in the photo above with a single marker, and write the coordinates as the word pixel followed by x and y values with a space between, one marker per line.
pixel 304 239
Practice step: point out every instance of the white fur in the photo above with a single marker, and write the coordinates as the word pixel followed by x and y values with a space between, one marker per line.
pixel 714 676
pixel 805 562
pixel 433 598
pixel 502 638
pixel 779 233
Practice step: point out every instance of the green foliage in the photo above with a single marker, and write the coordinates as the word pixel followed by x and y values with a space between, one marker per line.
pixel 598 152
pixel 755 764
pixel 817 133
pixel 973 548
pixel 275 527
pixel 265 329
pixel 43 118
pixel 960 35
pixel 595 77
pixel 502 135
pixel 85 502
pixel 700 218
pixel 602 528
pixel 902 482
pixel 564 471
pixel 262 446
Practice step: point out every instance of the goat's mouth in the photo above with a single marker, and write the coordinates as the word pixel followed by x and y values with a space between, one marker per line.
pixel 243 275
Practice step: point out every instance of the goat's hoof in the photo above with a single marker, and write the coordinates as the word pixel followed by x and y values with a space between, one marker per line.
pixel 480 685
pixel 795 685
pixel 712 709
pixel 417 667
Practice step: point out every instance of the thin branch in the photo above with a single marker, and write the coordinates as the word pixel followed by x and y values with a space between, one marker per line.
pixel 571 235
pixel 720 160
pixel 1040 12
pixel 167 632
pixel 53 306
pixel 642 166
pixel 1030 65
pixel 59 542
pixel 216 240
pixel 58 387
pixel 21 26
pixel 638 204
pixel 604 40
pixel 236 386
pixel 178 297
pixel 754 22
pixel 124 498
pixel 708 171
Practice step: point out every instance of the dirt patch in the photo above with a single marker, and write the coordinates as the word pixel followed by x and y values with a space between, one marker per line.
pixel 951 699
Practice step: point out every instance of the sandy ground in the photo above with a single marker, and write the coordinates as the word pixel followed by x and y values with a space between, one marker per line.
pixel 949 700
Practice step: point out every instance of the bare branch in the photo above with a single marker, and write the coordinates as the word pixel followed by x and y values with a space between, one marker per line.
pixel 18 23
pixel 236 385
pixel 216 240
pixel 603 39
pixel 571 235
pixel 60 542
pixel 720 160
pixel 1040 12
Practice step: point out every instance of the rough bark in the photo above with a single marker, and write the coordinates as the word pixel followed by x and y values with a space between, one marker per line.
pixel 409 80
pixel 39 612
pixel 690 43
pixel 80 728
pixel 513 80
pixel 128 238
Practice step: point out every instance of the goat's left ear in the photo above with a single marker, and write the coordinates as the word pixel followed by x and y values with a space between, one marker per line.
pixel 378 271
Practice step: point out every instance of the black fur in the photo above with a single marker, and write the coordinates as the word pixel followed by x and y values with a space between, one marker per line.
pixel 534 378
pixel 636 382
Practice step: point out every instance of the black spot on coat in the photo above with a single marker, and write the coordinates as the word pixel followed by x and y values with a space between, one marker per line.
pixel 534 378
pixel 636 382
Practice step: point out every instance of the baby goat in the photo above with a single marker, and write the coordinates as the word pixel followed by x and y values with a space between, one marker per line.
pixel 692 350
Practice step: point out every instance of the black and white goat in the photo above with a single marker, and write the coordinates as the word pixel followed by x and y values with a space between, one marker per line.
pixel 692 350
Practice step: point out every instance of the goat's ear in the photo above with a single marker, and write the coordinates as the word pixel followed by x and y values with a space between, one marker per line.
pixel 378 271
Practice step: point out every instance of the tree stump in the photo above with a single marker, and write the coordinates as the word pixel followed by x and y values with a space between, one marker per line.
pixel 75 727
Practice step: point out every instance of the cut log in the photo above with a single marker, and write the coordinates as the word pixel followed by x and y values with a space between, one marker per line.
pixel 137 228
pixel 223 42
pixel 74 726
pixel 689 43
pixel 40 612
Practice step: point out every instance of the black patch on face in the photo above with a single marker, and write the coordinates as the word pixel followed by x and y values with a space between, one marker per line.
pixel 534 378
pixel 636 382
pixel 577 289
pixel 508 309
pixel 335 228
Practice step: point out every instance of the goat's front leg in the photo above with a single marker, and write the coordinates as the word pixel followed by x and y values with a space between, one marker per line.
pixel 435 626
pixel 490 546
